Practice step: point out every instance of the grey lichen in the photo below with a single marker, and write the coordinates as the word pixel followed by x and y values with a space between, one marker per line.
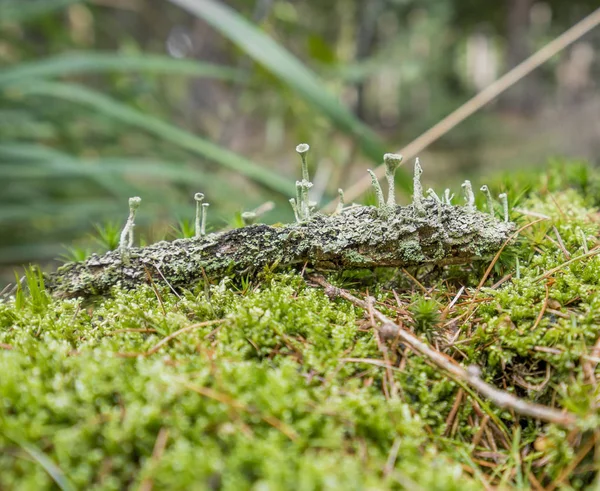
pixel 198 197
pixel 302 206
pixel 377 189
pixel 447 197
pixel 361 237
pixel 418 188
pixel 428 231
pixel 250 217
pixel 488 196
pixel 469 196
pixel 433 195
pixel 204 218
pixel 392 162
pixel 126 240
pixel 340 206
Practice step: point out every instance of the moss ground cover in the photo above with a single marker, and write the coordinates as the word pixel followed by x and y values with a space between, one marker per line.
pixel 266 383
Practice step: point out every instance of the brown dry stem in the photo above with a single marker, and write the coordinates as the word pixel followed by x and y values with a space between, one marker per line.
pixel 469 376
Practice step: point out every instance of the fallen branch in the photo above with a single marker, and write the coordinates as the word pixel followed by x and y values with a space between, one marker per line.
pixel 470 376
pixel 359 237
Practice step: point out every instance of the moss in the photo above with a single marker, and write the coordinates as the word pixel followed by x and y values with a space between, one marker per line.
pixel 287 392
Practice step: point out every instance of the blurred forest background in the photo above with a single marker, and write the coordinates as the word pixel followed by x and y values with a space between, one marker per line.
pixel 105 99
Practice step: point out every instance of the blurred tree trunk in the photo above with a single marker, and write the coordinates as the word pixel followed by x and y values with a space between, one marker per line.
pixel 368 14
pixel 523 97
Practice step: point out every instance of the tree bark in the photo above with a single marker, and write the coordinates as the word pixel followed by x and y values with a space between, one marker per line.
pixel 359 237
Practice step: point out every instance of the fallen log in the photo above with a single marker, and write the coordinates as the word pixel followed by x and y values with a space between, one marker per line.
pixel 427 232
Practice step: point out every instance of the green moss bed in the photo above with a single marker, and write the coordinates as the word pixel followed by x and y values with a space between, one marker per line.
pixel 287 388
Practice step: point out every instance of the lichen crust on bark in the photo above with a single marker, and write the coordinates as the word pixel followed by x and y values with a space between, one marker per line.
pixel 359 237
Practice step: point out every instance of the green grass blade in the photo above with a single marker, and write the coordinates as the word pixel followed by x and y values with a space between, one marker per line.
pixel 94 62
pixel 285 66
pixel 111 171
pixel 18 161
pixel 65 212
pixel 50 467
pixel 125 114
pixel 13 11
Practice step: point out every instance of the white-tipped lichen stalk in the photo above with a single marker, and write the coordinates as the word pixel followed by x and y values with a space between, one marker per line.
pixel 504 200
pixel 203 223
pixel 307 205
pixel 249 217
pixel 130 236
pixel 432 194
pixel 447 197
pixel 198 197
pixel 126 239
pixel 392 162
pixel 418 188
pixel 340 205
pixel 299 199
pixel 377 189
pixel 303 149
pixel 303 205
pixel 469 196
pixel 295 208
pixel 488 197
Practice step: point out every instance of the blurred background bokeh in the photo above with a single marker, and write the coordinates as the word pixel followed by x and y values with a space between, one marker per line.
pixel 105 99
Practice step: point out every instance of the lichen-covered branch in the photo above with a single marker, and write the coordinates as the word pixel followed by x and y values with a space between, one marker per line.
pixel 359 237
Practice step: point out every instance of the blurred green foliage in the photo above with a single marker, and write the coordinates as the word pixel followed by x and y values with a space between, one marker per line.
pixel 92 112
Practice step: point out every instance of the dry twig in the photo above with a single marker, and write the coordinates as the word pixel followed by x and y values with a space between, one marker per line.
pixel 470 376
pixel 478 101
pixel 170 337
pixel 157 452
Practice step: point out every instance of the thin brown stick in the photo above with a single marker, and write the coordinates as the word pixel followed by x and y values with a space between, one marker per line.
pixel 142 330
pixel 170 337
pixel 392 456
pixel 596 351
pixel 234 403
pixel 494 261
pixel 523 383
pixel 470 376
pixel 157 452
pixel 391 392
pixel 414 280
pixel 543 309
pixel 478 101
pixel 453 412
pixel 497 256
pixel 156 292
pixel 587 447
pixel 5 346
pixel 501 281
pixel 561 243
pixel 480 431
pixel 593 252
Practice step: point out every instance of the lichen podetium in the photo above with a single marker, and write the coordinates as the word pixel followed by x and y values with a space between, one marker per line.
pixel 424 232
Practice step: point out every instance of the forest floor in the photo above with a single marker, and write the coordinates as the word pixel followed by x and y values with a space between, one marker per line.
pixel 290 381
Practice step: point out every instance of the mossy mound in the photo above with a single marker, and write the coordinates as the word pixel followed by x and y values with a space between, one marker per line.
pixel 288 389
